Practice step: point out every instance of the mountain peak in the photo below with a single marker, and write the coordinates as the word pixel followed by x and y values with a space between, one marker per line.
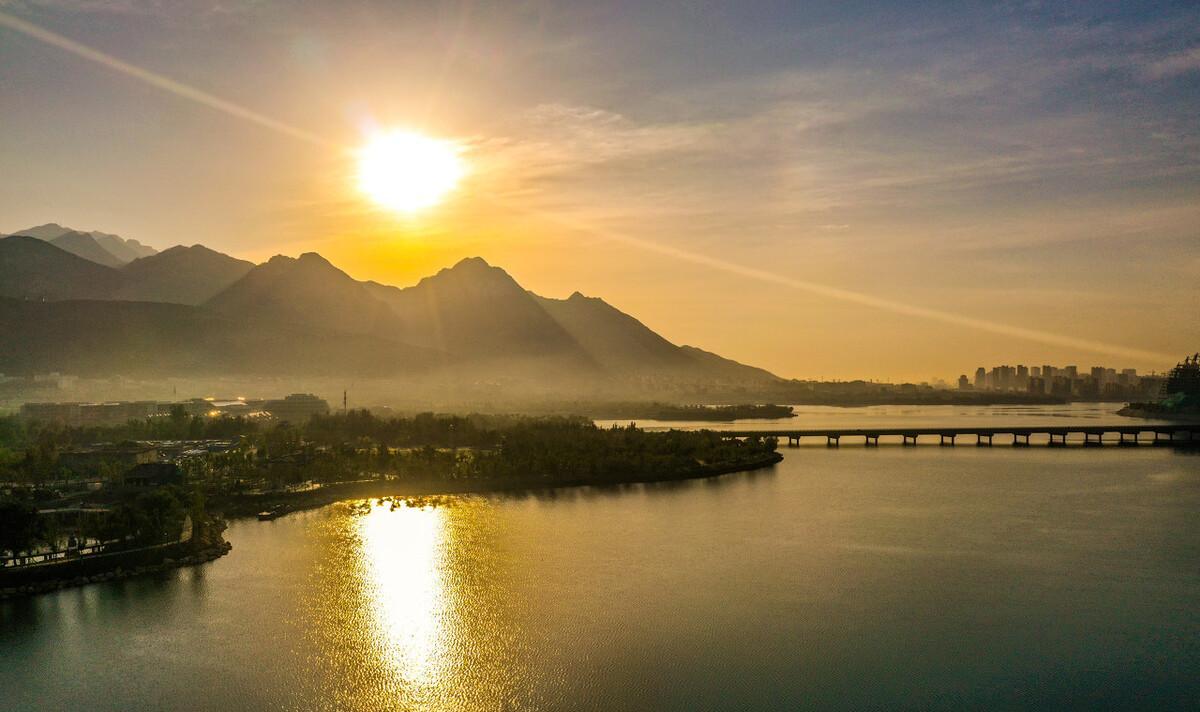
pixel 313 258
pixel 472 264
pixel 181 275
pixel 50 227
pixel 305 260
pixel 473 273
pixel 32 268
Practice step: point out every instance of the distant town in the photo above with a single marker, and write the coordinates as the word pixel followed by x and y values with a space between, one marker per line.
pixel 1066 382
pixel 297 407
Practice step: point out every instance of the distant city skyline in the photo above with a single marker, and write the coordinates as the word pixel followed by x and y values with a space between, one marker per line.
pixel 1066 381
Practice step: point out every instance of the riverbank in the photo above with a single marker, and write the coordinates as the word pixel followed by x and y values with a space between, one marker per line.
pixel 1158 412
pixel 206 544
pixel 238 506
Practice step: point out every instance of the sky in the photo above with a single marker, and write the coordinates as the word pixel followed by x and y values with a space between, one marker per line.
pixel 891 191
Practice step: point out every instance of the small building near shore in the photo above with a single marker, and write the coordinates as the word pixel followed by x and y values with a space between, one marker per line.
pixel 154 474
pixel 88 460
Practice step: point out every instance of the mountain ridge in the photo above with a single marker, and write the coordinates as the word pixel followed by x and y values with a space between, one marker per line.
pixel 471 320
pixel 101 247
pixel 181 275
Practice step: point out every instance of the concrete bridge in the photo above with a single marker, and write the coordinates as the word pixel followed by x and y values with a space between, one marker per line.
pixel 1089 435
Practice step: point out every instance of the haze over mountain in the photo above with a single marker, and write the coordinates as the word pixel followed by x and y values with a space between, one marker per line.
pixel 307 290
pixel 125 250
pixel 100 247
pixel 31 268
pixel 621 343
pixel 84 245
pixel 181 275
pixel 481 312
pixel 144 339
pixel 191 310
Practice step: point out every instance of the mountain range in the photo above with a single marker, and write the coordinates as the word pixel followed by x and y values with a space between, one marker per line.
pixel 192 310
pixel 100 247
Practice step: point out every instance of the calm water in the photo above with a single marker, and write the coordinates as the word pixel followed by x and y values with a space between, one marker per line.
pixel 855 578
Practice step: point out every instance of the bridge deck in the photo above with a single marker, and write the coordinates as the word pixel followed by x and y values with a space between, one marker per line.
pixel 1022 430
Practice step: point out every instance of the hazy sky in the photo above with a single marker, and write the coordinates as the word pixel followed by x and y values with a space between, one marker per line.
pixel 708 167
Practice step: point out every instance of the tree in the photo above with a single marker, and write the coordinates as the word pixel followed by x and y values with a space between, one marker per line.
pixel 20 526
pixel 161 516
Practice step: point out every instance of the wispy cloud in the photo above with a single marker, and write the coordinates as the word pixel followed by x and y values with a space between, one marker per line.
pixel 1179 63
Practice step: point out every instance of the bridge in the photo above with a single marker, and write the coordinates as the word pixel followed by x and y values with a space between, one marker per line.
pixel 1057 435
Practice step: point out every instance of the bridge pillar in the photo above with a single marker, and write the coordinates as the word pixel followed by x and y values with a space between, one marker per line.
pixel 980 440
pixel 910 439
pixel 832 440
pixel 1089 442
pixel 1020 439
pixel 1132 441
pixel 946 439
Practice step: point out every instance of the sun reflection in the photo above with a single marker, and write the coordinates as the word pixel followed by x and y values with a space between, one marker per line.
pixel 403 550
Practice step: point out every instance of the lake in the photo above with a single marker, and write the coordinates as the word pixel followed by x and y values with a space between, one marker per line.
pixel 849 578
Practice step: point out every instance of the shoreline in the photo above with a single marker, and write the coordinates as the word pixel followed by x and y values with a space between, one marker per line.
pixel 211 545
pixel 246 506
pixel 1139 410
pixel 208 546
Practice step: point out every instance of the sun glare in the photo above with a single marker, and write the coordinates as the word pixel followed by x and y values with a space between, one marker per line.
pixel 406 172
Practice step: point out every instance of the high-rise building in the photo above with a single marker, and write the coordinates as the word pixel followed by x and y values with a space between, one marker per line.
pixel 963 383
pixel 980 378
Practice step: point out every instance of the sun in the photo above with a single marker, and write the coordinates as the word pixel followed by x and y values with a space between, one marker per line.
pixel 407 172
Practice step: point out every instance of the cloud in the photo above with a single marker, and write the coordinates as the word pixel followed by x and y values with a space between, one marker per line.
pixel 107 7
pixel 169 11
pixel 1175 64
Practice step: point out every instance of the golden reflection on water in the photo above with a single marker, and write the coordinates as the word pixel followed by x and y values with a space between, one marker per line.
pixel 403 552
pixel 409 607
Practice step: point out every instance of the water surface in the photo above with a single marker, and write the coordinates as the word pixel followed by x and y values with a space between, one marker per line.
pixel 849 578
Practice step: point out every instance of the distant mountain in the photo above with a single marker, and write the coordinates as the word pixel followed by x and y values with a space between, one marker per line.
pixel 84 245
pixel 180 275
pixel 617 341
pixel 114 246
pixel 101 338
pixel 307 290
pixel 46 232
pixel 124 250
pixel 728 370
pixel 478 311
pixel 624 346
pixel 190 309
pixel 32 268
